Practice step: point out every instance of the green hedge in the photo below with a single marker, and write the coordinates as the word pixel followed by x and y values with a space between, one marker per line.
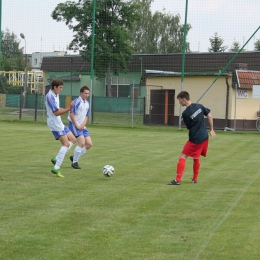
pixel 14 89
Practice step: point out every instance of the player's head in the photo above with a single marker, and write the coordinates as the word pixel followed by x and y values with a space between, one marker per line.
pixel 84 88
pixel 184 94
pixel 56 85
pixel 84 92
pixel 184 98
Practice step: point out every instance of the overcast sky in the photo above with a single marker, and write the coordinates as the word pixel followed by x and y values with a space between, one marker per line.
pixel 233 20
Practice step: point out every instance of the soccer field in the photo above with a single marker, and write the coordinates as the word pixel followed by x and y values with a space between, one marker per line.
pixel 132 215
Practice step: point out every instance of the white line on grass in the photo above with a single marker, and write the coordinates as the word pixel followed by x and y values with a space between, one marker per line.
pixel 225 217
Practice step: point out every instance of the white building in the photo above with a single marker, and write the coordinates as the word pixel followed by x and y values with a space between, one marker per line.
pixel 38 56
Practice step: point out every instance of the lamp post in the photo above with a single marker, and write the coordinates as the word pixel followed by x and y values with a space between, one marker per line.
pixel 25 76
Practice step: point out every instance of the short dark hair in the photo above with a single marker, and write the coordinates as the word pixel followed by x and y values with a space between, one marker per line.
pixel 84 88
pixel 56 83
pixel 184 94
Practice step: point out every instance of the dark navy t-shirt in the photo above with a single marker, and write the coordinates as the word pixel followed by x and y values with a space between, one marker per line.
pixel 193 117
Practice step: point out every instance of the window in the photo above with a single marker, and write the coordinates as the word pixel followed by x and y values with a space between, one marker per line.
pixel 120 87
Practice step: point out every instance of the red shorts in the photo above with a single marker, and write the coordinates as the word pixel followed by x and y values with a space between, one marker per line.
pixel 195 150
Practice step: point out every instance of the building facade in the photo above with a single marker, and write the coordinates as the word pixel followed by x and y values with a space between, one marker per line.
pixel 214 79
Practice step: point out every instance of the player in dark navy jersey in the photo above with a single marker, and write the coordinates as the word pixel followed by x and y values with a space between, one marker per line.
pixel 193 117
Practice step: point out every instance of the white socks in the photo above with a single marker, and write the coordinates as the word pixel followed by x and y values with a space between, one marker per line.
pixel 60 156
pixel 78 152
pixel 71 144
pixel 83 151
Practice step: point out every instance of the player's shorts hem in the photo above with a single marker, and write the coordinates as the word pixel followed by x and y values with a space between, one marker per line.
pixel 195 150
pixel 77 132
pixel 57 134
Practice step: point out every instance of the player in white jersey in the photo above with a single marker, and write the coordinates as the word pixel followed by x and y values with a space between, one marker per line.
pixel 59 130
pixel 78 118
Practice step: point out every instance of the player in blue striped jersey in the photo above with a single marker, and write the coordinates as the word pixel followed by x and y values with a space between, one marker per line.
pixel 78 118
pixel 59 130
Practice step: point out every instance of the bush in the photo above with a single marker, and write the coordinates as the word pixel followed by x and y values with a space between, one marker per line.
pixel 3 84
pixel 14 89
pixel 6 88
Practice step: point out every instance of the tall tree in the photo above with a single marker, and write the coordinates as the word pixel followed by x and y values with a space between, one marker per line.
pixel 257 45
pixel 170 33
pixel 112 41
pixel 12 55
pixel 160 32
pixel 235 46
pixel 216 44
pixel 140 39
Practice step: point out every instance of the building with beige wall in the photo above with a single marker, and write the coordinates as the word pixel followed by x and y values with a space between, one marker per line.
pixel 157 79
pixel 231 104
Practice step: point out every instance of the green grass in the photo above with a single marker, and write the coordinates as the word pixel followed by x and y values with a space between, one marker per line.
pixel 103 118
pixel 117 118
pixel 132 215
pixel 12 114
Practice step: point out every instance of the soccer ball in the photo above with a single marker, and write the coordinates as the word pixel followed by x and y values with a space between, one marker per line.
pixel 108 170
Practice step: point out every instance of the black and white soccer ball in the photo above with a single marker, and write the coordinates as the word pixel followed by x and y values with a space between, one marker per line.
pixel 108 170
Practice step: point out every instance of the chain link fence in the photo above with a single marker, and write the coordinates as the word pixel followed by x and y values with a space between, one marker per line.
pixel 160 107
pixel 144 94
pixel 105 110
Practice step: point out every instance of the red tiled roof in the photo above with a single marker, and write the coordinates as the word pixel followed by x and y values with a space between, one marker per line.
pixel 246 78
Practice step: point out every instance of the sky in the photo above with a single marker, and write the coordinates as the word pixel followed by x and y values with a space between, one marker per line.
pixel 233 20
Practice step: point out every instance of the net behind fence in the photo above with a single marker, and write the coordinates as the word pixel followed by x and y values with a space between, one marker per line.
pixel 105 110
pixel 232 109
pixel 135 56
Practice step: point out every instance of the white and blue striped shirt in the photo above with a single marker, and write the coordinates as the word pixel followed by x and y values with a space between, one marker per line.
pixel 80 110
pixel 52 103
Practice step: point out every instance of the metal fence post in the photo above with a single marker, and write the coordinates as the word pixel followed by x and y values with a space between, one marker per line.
pixel 21 104
pixel 36 106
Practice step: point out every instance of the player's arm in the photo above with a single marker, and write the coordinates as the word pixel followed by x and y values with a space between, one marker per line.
pixel 85 122
pixel 62 111
pixel 74 121
pixel 210 120
pixel 186 121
